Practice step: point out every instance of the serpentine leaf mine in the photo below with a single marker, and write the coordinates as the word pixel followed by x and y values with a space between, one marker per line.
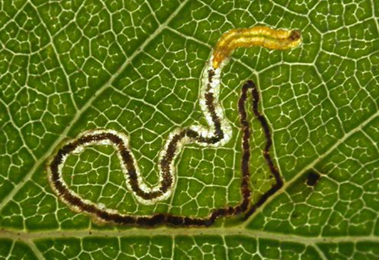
pixel 216 134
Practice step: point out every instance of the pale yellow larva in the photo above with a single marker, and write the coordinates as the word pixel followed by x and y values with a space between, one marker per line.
pixel 256 36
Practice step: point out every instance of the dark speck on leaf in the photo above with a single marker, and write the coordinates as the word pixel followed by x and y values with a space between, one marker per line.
pixel 312 178
pixel 295 215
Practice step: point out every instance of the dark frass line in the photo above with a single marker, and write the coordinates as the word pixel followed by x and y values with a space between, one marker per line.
pixel 244 207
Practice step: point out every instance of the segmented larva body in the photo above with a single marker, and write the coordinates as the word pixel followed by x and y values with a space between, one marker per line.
pixel 256 36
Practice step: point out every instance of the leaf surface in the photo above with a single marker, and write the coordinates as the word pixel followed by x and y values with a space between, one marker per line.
pixel 136 67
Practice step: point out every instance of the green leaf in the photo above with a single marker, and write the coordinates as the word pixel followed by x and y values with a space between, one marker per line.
pixel 136 67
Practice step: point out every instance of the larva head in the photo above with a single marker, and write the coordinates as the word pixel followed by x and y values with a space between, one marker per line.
pixel 294 39
pixel 295 35
pixel 282 40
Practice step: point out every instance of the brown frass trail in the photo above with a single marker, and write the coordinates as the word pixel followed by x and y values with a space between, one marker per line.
pixel 266 153
pixel 245 206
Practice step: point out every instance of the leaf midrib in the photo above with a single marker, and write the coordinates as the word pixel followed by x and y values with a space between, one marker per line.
pixel 173 232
